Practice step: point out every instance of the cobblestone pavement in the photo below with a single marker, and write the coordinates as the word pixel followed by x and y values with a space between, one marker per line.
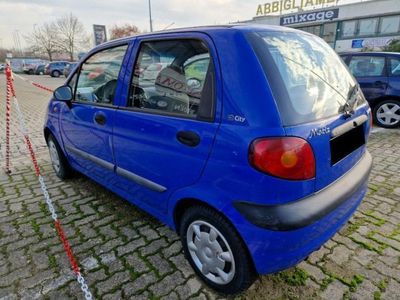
pixel 124 253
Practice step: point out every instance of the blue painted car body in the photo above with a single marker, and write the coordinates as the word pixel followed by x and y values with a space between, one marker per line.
pixel 380 87
pixel 216 172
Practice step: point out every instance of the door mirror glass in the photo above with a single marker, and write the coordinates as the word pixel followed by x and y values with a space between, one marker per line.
pixel 63 93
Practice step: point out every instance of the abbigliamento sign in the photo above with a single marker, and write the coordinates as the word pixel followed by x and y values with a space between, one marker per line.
pixel 323 15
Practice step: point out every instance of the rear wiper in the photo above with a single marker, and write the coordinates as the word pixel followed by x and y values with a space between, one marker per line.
pixel 348 108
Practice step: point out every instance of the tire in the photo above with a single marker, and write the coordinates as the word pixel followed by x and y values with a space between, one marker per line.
pixel 387 114
pixel 55 74
pixel 31 72
pixel 229 269
pixel 58 161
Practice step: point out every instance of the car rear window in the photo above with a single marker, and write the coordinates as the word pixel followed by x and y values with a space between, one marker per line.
pixel 308 79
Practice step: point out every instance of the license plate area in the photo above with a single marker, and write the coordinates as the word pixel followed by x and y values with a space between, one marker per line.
pixel 343 145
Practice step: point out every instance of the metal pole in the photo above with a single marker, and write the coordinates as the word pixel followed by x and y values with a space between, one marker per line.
pixel 151 21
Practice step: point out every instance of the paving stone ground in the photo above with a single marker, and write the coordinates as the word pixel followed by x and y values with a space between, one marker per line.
pixel 124 253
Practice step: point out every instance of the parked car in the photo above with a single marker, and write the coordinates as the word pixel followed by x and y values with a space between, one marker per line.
pixel 68 68
pixel 29 65
pixel 255 156
pixel 39 70
pixel 55 68
pixel 379 76
pixel 1 67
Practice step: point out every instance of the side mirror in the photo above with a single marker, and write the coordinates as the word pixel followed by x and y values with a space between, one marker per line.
pixel 63 93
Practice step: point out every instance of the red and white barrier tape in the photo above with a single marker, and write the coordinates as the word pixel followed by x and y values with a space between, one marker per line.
pixel 8 119
pixel 57 223
pixel 35 84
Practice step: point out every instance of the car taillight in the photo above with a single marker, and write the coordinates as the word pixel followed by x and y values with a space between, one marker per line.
pixel 285 157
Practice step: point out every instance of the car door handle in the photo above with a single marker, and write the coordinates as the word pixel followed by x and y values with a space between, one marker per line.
pixel 188 138
pixel 100 118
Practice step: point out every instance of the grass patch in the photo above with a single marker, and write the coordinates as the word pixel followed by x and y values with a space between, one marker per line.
pixel 295 277
pixel 382 285
pixel 52 261
pixel 377 295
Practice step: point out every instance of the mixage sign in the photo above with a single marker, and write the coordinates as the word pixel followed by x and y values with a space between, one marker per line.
pixel 310 17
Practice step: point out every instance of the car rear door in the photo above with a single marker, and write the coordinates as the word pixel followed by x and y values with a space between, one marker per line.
pixel 370 72
pixel 164 134
pixel 86 124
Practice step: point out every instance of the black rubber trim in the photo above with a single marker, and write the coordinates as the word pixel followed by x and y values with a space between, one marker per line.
pixel 295 215
pixel 141 180
pixel 105 164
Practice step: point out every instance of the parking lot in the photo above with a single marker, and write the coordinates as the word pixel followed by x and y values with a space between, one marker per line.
pixel 124 253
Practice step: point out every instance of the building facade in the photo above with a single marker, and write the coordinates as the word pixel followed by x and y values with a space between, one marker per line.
pixel 354 27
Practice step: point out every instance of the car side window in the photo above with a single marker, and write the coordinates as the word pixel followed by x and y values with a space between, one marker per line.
pixel 394 66
pixel 367 66
pixel 170 77
pixel 98 76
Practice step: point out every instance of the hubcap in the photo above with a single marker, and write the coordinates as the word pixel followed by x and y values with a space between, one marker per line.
pixel 210 252
pixel 55 160
pixel 388 114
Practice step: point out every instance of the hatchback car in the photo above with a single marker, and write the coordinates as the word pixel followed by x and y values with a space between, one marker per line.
pixel 378 74
pixel 39 69
pixel 55 68
pixel 250 142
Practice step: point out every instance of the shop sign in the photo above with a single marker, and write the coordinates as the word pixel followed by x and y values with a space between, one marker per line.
pixel 370 43
pixel 310 17
pixel 100 34
pixel 280 6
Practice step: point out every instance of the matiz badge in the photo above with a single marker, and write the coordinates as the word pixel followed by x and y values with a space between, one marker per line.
pixel 319 131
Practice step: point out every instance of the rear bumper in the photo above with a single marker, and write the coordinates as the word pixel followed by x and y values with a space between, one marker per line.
pixel 308 210
pixel 279 237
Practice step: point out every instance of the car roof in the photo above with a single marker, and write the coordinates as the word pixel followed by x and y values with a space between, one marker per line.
pixel 205 29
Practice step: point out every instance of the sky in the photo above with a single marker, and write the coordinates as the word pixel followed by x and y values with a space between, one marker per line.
pixel 20 16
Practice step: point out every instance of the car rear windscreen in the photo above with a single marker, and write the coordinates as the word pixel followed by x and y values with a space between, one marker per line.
pixel 308 79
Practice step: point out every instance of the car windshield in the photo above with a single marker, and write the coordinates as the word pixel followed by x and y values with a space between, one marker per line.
pixel 308 79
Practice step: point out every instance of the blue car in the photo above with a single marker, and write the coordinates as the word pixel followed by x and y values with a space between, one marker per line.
pixel 250 141
pixel 378 74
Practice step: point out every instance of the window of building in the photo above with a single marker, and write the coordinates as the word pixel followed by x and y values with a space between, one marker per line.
pixel 390 24
pixel 367 66
pixel 172 76
pixel 98 76
pixel 349 28
pixel 312 29
pixel 368 26
pixel 329 33
pixel 394 66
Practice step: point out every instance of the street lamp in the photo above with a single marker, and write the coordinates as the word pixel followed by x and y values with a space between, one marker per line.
pixel 151 21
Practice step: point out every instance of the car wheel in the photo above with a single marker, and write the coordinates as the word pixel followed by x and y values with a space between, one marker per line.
pixel 58 160
pixel 30 72
pixel 215 251
pixel 387 114
pixel 55 73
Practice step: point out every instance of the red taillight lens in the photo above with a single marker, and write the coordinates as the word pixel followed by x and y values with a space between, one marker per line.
pixel 284 157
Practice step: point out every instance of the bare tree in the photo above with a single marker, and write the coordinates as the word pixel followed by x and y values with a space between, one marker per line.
pixel 42 41
pixel 117 32
pixel 71 35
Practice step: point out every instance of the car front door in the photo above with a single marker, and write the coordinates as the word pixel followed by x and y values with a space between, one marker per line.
pixel 164 134
pixel 87 123
pixel 370 72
